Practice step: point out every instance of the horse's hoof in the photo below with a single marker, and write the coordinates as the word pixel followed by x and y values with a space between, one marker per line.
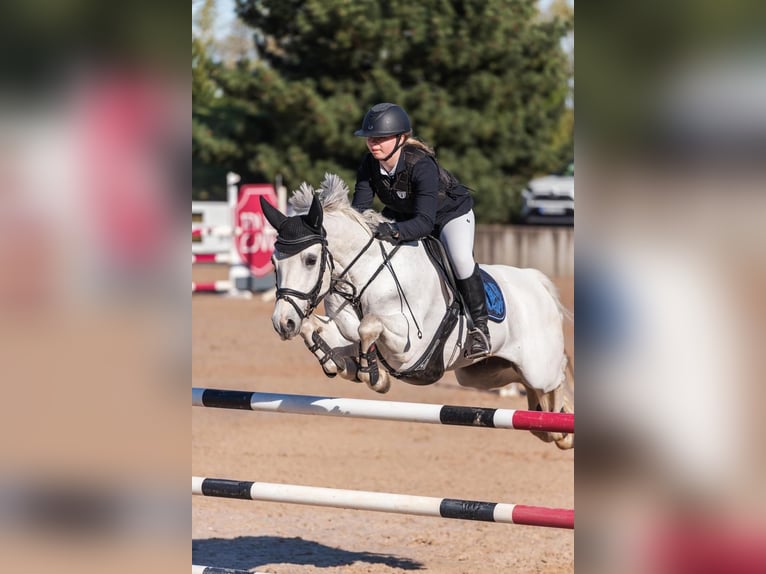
pixel 382 389
pixel 543 436
pixel 566 443
pixel 381 385
pixel 380 382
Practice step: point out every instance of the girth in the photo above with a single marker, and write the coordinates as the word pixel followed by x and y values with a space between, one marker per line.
pixel 430 367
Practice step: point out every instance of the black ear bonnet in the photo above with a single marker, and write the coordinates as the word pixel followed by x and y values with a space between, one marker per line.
pixel 296 233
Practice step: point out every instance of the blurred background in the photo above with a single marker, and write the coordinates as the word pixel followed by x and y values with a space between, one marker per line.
pixel 671 143
pixel 94 348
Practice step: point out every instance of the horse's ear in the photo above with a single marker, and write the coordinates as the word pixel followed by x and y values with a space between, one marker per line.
pixel 314 217
pixel 273 215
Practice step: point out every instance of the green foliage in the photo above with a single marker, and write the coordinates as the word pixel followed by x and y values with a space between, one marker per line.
pixel 484 81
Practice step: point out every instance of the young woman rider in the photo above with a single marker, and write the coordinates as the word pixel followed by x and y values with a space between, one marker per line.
pixel 423 199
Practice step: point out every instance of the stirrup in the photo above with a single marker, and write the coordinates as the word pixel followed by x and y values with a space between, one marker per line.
pixel 475 334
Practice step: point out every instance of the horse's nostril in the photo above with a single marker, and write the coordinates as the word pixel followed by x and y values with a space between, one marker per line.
pixel 290 324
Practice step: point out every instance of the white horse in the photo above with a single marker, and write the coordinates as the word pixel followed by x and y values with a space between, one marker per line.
pixel 389 304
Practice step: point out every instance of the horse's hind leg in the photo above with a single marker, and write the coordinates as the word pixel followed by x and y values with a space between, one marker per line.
pixel 555 401
pixel 369 372
pixel 558 400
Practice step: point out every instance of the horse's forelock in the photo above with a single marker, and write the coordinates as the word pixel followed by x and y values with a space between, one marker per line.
pixel 333 195
pixel 301 198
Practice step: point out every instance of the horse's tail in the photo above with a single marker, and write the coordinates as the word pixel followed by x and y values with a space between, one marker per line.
pixel 554 292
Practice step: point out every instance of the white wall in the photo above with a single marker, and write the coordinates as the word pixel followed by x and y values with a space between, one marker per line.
pixel 549 249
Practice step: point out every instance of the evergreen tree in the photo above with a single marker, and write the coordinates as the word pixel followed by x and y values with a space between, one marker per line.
pixel 484 81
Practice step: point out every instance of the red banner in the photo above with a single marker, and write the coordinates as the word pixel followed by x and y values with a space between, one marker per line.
pixel 254 237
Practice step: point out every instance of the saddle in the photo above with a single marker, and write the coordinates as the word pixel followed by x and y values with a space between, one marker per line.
pixel 492 291
pixel 430 367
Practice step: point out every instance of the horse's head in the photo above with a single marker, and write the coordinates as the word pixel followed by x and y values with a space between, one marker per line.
pixel 302 263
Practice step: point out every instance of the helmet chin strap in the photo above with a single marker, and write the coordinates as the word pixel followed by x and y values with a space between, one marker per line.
pixel 399 143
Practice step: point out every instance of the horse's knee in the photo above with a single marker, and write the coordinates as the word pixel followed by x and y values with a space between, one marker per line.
pixel 307 329
pixel 369 330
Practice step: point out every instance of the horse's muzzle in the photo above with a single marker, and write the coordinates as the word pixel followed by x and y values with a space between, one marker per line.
pixel 286 327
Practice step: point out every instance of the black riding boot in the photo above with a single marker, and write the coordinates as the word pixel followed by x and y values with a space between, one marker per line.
pixel 472 290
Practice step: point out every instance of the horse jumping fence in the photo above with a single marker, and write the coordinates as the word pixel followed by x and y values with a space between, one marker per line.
pixel 384 410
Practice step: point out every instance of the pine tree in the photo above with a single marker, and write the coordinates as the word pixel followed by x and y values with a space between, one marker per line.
pixel 485 83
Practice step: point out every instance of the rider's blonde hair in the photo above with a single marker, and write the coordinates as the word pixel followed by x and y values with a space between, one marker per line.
pixel 413 141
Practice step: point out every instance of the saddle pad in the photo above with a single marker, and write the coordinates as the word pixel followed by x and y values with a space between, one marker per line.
pixel 494 296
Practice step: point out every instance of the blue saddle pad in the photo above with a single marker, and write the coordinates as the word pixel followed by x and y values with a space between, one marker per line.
pixel 494 296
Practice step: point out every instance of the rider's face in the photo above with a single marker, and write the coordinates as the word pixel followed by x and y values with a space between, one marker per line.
pixel 380 147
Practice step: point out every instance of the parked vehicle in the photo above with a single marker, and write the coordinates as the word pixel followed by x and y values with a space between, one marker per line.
pixel 549 199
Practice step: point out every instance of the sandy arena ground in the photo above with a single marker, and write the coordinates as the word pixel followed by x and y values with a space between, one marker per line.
pixel 235 347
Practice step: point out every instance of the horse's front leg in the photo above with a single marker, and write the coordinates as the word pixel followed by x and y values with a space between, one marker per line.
pixel 376 330
pixel 335 354
pixel 370 373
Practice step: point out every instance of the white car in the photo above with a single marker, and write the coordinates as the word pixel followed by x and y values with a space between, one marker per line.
pixel 549 199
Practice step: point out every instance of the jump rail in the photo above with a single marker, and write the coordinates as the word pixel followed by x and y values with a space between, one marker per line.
pixel 211 287
pixel 385 502
pixel 217 231
pixel 211 258
pixel 384 410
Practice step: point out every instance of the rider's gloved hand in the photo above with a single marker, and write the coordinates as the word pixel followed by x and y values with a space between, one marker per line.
pixel 387 232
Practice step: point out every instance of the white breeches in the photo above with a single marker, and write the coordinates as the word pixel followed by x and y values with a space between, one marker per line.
pixel 457 237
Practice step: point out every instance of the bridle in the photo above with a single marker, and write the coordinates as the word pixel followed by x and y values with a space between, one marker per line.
pixel 313 297
pixel 339 285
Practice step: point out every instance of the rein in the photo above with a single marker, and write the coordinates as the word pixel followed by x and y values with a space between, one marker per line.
pixel 341 286
pixel 348 292
pixel 387 263
pixel 355 299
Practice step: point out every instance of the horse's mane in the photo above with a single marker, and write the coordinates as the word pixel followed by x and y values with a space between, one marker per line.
pixel 333 196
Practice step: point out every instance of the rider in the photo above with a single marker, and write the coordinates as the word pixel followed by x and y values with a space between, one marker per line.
pixel 423 199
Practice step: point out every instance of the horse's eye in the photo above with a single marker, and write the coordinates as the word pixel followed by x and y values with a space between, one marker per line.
pixel 311 260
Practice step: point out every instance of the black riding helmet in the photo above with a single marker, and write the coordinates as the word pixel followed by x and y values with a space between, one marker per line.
pixel 384 120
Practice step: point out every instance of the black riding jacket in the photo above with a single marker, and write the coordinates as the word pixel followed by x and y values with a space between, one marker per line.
pixel 421 196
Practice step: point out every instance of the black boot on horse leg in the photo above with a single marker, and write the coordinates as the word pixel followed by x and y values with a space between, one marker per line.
pixel 472 290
